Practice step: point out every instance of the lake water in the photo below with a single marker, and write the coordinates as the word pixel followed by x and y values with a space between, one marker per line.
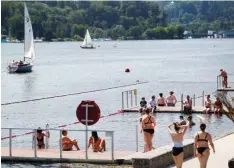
pixel 184 66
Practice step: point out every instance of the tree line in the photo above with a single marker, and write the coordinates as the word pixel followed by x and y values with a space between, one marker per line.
pixel 64 20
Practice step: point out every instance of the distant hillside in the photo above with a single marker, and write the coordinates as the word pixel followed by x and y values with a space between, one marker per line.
pixel 118 20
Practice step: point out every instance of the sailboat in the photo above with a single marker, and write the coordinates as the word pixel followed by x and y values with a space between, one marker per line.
pixel 29 49
pixel 88 43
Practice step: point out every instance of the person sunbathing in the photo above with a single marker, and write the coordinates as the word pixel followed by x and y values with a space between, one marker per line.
pixel 67 143
pixel 98 144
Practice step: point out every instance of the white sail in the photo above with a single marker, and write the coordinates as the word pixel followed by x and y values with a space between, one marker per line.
pixel 87 41
pixel 29 50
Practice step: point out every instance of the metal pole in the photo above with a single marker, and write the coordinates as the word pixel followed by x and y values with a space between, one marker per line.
pixel 127 98
pixel 122 100
pixel 203 98
pixel 47 138
pixel 135 97
pixel 194 100
pixel 136 137
pixel 10 142
pixel 35 143
pixel 182 102
pixel 112 145
pixel 217 82
pixel 60 144
pixel 86 131
pixel 131 98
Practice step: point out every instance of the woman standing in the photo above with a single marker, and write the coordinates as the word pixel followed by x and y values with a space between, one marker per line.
pixel 40 138
pixel 201 147
pixel 148 123
pixel 177 138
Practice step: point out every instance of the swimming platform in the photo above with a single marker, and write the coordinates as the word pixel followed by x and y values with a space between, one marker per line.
pixel 166 109
pixel 160 157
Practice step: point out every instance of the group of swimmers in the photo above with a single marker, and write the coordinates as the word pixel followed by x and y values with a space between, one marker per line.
pixel 98 144
pixel 201 139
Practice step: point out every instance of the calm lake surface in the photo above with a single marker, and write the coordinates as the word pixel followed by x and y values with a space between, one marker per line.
pixel 184 66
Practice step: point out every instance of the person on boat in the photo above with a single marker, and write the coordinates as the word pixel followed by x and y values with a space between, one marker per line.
pixel 190 121
pixel 161 100
pixel 171 100
pixel 143 102
pixel 188 105
pixel 208 104
pixel 218 106
pixel 182 121
pixel 67 143
pixel 225 77
pixel 177 138
pixel 153 104
pixel 148 124
pixel 40 139
pixel 98 144
pixel 201 147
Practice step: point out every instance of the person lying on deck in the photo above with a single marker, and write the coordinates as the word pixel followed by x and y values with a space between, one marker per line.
pixel 98 144
pixel 67 143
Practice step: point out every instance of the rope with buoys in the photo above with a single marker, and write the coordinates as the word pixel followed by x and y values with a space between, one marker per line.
pixel 72 94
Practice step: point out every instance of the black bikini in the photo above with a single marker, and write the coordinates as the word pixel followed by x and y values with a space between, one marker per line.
pixel 202 149
pixel 177 150
pixel 150 130
pixel 42 142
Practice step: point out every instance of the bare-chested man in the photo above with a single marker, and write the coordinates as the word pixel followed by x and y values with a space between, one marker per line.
pixel 224 75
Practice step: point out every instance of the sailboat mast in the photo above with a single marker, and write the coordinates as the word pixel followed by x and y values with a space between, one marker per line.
pixel 24 28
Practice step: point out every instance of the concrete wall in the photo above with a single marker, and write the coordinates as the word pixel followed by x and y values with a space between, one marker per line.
pixel 161 157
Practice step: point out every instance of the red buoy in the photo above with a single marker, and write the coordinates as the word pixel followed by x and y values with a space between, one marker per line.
pixel 127 70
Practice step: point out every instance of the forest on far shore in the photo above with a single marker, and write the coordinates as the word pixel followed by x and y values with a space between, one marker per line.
pixel 68 20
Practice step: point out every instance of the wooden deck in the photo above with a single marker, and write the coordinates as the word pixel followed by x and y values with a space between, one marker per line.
pixel 177 109
pixel 53 156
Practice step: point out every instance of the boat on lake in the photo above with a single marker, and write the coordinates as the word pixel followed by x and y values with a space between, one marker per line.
pixel 87 43
pixel 29 50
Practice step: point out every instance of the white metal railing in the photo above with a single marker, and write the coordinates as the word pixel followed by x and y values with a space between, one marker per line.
pixel 34 139
pixel 130 94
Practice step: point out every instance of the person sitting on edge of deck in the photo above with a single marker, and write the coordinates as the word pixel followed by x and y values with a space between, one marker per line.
pixel 188 105
pixel 171 100
pixel 218 106
pixel 161 100
pixel 143 103
pixel 40 138
pixel 190 121
pixel 67 143
pixel 153 104
pixel 98 144
pixel 207 105
pixel 182 121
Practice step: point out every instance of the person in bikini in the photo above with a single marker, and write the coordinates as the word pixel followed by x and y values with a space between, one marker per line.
pixel 188 105
pixel 40 138
pixel 177 138
pixel 98 144
pixel 67 143
pixel 225 77
pixel 148 124
pixel 218 106
pixel 161 100
pixel 171 100
pixel 201 147
pixel 208 105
